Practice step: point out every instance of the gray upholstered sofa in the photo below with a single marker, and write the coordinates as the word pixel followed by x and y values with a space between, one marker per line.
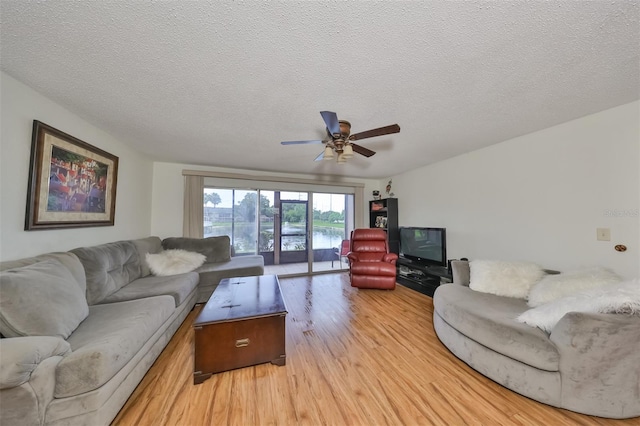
pixel 589 363
pixel 220 262
pixel 80 330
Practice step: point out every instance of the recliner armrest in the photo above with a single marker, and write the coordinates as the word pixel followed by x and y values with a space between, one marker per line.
pixel 390 257
pixel 353 257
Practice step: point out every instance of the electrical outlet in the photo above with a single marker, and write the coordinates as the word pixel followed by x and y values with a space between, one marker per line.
pixel 604 234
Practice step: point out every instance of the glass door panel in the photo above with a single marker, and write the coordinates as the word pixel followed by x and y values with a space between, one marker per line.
pixel 294 231
pixel 245 239
pixel 332 224
pixel 232 212
pixel 267 230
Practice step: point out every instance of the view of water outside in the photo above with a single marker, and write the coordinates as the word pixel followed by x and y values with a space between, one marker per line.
pixel 233 213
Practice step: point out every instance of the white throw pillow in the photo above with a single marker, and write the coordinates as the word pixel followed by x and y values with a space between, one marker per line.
pixel 621 298
pixel 503 278
pixel 174 262
pixel 553 287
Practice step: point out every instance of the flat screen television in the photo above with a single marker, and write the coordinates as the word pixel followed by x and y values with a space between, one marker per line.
pixel 425 246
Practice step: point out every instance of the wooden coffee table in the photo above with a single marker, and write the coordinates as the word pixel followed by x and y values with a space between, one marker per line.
pixel 242 324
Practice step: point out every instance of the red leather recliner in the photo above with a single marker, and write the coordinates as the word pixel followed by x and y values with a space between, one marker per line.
pixel 370 263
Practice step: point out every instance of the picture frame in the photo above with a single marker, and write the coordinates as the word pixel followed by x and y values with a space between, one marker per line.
pixel 72 184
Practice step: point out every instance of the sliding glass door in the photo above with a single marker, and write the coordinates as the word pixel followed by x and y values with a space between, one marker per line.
pixel 295 232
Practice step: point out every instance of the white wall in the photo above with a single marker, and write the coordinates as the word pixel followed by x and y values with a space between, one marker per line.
pixel 20 105
pixel 538 197
pixel 168 194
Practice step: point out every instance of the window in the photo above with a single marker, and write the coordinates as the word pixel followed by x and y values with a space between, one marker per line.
pixel 232 212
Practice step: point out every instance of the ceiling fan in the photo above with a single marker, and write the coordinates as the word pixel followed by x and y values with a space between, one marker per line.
pixel 340 140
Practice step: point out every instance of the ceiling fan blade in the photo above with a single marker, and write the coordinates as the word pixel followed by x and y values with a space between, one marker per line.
pixel 362 150
pixel 331 120
pixel 320 157
pixel 387 130
pixel 299 142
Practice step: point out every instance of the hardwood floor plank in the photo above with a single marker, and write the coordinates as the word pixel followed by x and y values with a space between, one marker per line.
pixel 354 357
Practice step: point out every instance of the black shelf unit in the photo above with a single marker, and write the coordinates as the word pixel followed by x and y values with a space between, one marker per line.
pixel 424 279
pixel 384 214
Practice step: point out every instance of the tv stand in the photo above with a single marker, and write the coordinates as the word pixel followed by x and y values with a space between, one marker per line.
pixel 424 279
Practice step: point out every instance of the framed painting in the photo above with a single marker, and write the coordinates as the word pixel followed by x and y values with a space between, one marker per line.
pixel 71 184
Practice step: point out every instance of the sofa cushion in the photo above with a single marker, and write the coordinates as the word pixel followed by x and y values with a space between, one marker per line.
pixel 238 266
pixel 41 299
pixel 108 268
pixel 69 260
pixel 143 246
pixel 490 321
pixel 504 278
pixel 216 249
pixel 174 262
pixel 553 287
pixel 177 286
pixel 107 340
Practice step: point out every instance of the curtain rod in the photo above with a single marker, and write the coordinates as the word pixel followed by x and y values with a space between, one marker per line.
pixel 206 173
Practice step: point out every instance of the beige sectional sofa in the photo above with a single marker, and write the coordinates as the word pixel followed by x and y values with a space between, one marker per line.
pixel 589 363
pixel 80 329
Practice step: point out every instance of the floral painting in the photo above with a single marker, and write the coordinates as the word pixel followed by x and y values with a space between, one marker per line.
pixel 71 183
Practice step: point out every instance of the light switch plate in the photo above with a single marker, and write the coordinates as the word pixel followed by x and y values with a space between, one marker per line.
pixel 604 234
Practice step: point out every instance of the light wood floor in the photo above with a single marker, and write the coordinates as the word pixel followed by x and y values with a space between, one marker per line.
pixel 303 268
pixel 354 357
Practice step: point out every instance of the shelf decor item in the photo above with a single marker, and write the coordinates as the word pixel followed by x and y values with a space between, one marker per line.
pixel 388 189
pixel 71 184
pixel 376 207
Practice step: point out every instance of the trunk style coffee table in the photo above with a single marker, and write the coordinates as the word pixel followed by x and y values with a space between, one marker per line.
pixel 242 324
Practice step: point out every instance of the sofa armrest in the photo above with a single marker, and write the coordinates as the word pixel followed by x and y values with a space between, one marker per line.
pixel 599 363
pixel 20 356
pixel 461 272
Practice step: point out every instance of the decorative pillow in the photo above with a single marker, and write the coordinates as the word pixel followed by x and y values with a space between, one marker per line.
pixel 216 249
pixel 42 299
pixel 553 287
pixel 174 262
pixel 502 278
pixel 619 298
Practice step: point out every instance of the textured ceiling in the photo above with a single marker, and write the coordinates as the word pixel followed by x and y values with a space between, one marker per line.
pixel 222 83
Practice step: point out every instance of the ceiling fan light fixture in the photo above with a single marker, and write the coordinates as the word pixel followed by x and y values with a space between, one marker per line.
pixel 347 151
pixel 340 142
pixel 328 153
